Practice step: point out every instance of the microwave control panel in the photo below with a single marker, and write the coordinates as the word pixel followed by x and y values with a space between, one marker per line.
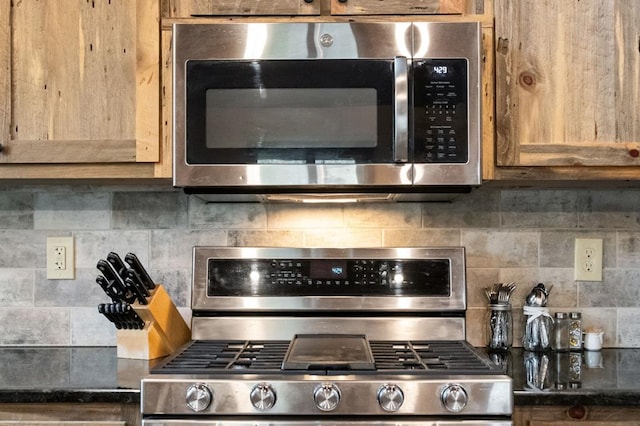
pixel 440 94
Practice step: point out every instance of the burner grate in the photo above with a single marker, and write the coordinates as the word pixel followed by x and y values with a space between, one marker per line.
pixel 451 357
pixel 266 357
pixel 209 356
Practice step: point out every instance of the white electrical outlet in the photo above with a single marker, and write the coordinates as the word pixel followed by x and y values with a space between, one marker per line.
pixel 60 258
pixel 588 259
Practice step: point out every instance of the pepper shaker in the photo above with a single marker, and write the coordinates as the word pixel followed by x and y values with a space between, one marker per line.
pixel 575 331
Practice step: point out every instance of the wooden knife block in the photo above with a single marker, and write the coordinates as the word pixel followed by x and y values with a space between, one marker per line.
pixel 164 331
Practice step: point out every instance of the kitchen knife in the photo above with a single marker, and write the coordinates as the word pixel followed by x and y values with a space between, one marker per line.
pixel 118 265
pixel 137 289
pixel 106 309
pixel 133 275
pixel 133 317
pixel 135 264
pixel 109 289
pixel 116 280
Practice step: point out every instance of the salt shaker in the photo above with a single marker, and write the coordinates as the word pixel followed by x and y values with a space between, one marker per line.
pixel 561 333
pixel 575 331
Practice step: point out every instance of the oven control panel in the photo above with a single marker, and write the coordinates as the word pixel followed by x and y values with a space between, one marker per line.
pixel 339 277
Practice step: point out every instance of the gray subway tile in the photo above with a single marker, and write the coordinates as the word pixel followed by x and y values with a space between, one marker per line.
pixel 65 211
pixel 16 287
pixel 24 326
pixel 617 209
pixel 149 210
pixel 539 209
pixel 501 249
pixel 204 215
pixel 16 210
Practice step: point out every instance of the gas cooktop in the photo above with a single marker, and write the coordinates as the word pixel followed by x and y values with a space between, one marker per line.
pixel 265 357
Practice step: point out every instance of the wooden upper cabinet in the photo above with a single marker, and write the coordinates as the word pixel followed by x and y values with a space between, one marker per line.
pixel 568 85
pixel 397 7
pixel 193 8
pixel 81 93
pixel 188 8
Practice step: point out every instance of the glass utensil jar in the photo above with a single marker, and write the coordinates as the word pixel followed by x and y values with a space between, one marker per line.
pixel 538 329
pixel 500 327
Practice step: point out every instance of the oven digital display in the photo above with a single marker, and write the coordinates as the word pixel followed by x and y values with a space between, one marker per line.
pixel 328 269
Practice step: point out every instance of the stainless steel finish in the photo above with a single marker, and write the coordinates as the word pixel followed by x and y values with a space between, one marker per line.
pixel 327 41
pixel 456 301
pixel 326 397
pixel 454 398
pixel 199 397
pixel 284 328
pixel 390 398
pixel 328 422
pixel 488 395
pixel 436 41
pixel 262 396
pixel 401 111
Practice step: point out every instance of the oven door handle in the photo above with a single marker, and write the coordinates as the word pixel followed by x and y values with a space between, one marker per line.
pixel 401 110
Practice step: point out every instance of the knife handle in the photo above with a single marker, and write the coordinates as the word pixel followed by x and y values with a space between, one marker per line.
pixel 136 265
pixel 139 285
pixel 109 289
pixel 118 265
pixel 136 291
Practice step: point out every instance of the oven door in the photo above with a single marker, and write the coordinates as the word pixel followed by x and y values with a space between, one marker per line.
pixel 326 421
pixel 289 105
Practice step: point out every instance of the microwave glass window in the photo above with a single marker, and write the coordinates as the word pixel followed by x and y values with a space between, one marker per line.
pixel 333 111
pixel 266 118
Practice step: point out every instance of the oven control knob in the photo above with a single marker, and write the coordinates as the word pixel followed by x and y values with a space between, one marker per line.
pixel 390 398
pixel 454 398
pixel 327 397
pixel 199 397
pixel 262 396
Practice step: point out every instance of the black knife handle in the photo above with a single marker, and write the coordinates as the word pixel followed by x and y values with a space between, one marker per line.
pixel 118 265
pixel 114 279
pixel 133 261
pixel 139 285
pixel 136 290
pixel 109 289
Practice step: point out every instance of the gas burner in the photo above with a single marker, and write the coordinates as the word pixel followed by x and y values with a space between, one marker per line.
pixel 268 357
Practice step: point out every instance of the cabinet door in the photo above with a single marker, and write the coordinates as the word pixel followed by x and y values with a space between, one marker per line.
pixel 584 415
pixel 567 83
pixel 82 87
pixel 188 8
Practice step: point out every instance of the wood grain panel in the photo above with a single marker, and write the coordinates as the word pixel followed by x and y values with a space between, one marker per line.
pixel 246 7
pixel 74 70
pixel 147 81
pixel 5 71
pixel 94 414
pixel 559 416
pixel 568 82
pixel 397 7
pixel 63 151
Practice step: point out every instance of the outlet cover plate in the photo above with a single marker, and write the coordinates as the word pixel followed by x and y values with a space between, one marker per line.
pixel 60 262
pixel 588 259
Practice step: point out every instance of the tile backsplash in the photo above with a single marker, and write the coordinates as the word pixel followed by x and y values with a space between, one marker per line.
pixel 526 236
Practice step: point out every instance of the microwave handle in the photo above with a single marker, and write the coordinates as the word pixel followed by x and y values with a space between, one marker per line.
pixel 401 110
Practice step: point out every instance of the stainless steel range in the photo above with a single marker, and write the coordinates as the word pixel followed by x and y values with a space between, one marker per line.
pixel 292 336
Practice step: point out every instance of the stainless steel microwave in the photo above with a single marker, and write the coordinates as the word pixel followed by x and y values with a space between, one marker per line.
pixel 327 111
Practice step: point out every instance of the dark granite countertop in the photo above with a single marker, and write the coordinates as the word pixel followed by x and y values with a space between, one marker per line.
pixel 69 374
pixel 607 377
pixel 81 374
